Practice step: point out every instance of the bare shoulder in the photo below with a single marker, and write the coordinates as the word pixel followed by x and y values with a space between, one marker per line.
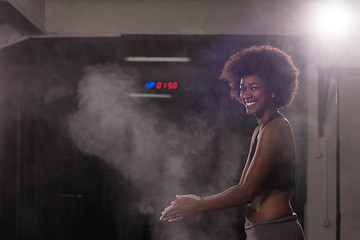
pixel 278 130
pixel 278 125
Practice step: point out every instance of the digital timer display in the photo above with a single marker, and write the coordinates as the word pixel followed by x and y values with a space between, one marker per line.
pixel 161 85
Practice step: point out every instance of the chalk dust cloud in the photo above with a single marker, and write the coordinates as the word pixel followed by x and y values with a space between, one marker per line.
pixel 128 134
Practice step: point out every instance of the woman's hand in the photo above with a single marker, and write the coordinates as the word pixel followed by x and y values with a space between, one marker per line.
pixel 185 206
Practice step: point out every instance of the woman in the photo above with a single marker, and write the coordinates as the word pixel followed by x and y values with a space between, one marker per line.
pixel 264 79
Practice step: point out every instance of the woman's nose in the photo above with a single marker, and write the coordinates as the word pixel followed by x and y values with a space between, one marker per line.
pixel 245 94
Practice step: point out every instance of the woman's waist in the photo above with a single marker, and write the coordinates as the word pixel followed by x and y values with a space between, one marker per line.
pixel 269 205
pixel 290 218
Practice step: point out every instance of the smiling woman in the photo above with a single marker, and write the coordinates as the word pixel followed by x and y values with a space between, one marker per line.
pixel 264 79
pixel 254 94
pixel 271 65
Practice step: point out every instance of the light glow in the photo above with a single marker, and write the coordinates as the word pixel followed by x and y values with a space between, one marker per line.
pixel 331 19
pixel 156 59
pixel 149 95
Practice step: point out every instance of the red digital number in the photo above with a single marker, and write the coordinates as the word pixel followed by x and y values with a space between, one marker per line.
pixel 158 85
pixel 166 85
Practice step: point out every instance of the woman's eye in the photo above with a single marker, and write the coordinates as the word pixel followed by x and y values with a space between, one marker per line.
pixel 254 88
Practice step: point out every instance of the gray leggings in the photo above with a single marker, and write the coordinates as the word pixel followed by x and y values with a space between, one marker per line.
pixel 281 229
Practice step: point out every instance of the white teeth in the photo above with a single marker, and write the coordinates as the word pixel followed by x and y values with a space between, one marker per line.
pixel 250 103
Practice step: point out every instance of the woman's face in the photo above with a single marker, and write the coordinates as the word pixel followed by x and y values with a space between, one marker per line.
pixel 255 95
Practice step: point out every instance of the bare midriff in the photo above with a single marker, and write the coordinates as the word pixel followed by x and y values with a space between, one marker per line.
pixel 268 205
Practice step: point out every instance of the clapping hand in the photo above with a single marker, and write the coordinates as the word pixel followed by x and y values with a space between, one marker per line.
pixel 183 207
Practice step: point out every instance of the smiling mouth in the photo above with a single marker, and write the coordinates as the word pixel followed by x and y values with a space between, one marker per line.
pixel 250 103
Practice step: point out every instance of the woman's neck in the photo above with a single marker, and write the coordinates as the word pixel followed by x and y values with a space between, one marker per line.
pixel 261 119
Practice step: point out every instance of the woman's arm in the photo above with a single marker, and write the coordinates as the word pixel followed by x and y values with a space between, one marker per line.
pixel 268 146
pixel 255 133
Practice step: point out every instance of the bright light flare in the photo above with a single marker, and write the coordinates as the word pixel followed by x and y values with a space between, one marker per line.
pixel 331 19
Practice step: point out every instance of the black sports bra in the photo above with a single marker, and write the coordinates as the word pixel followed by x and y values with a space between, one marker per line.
pixel 282 174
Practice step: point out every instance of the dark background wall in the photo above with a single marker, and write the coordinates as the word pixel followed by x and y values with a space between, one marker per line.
pixel 53 189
